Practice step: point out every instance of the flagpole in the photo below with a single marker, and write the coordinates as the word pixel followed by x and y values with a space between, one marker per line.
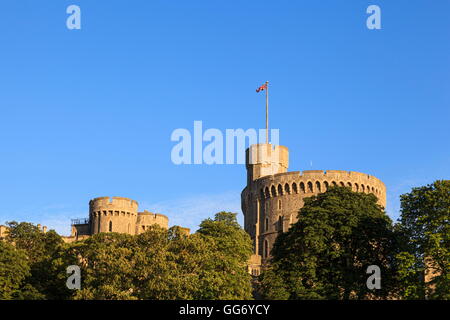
pixel 267 112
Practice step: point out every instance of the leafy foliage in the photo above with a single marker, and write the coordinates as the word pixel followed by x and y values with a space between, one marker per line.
pixel 425 225
pixel 14 268
pixel 325 254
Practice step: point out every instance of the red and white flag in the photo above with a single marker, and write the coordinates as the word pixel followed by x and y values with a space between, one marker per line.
pixel 263 87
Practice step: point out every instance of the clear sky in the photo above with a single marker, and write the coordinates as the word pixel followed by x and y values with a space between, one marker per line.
pixel 90 112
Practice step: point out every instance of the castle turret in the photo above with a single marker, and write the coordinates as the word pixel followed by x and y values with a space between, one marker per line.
pixel 114 214
pixel 146 219
pixel 265 159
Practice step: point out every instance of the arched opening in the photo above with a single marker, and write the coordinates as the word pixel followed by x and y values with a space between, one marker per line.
pixel 334 184
pixel 280 190
pixel 287 189
pixel 342 184
pixel 267 192
pixel 280 224
pixel 302 187
pixel 294 188
pixel 318 187
pixel 274 191
pixel 326 185
pixel 110 226
pixel 310 186
pixel 356 187
pixel 362 188
pixel 349 185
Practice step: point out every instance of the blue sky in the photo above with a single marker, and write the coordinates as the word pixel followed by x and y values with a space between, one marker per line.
pixel 87 113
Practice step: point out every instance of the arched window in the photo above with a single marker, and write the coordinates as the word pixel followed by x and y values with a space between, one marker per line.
pixel 318 187
pixel 373 189
pixel 362 188
pixel 326 185
pixel 279 204
pixel 110 226
pixel 280 224
pixel 287 189
pixel 334 183
pixel 356 187
pixel 267 192
pixel 302 187
pixel 280 190
pixel 349 185
pixel 342 184
pixel 274 191
pixel 310 186
pixel 294 188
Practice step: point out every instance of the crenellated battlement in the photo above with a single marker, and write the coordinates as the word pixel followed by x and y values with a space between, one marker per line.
pixel 153 215
pixel 319 174
pixel 118 203
pixel 314 181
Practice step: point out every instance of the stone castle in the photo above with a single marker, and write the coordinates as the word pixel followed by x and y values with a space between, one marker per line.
pixel 116 214
pixel 270 202
pixel 273 196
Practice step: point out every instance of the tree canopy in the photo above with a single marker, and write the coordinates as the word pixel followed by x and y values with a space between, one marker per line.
pixel 157 264
pixel 325 254
pixel 424 264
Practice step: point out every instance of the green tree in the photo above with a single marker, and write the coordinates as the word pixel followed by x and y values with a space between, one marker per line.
pixel 107 263
pixel 46 278
pixel 325 254
pixel 14 268
pixel 425 226
pixel 225 273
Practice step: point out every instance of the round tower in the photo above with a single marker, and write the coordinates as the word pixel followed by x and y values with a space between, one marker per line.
pixel 272 198
pixel 146 219
pixel 114 214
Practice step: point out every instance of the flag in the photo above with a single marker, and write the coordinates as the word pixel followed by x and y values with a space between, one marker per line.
pixel 263 87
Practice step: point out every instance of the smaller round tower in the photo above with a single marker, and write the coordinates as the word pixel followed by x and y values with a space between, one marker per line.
pixel 114 214
pixel 146 219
